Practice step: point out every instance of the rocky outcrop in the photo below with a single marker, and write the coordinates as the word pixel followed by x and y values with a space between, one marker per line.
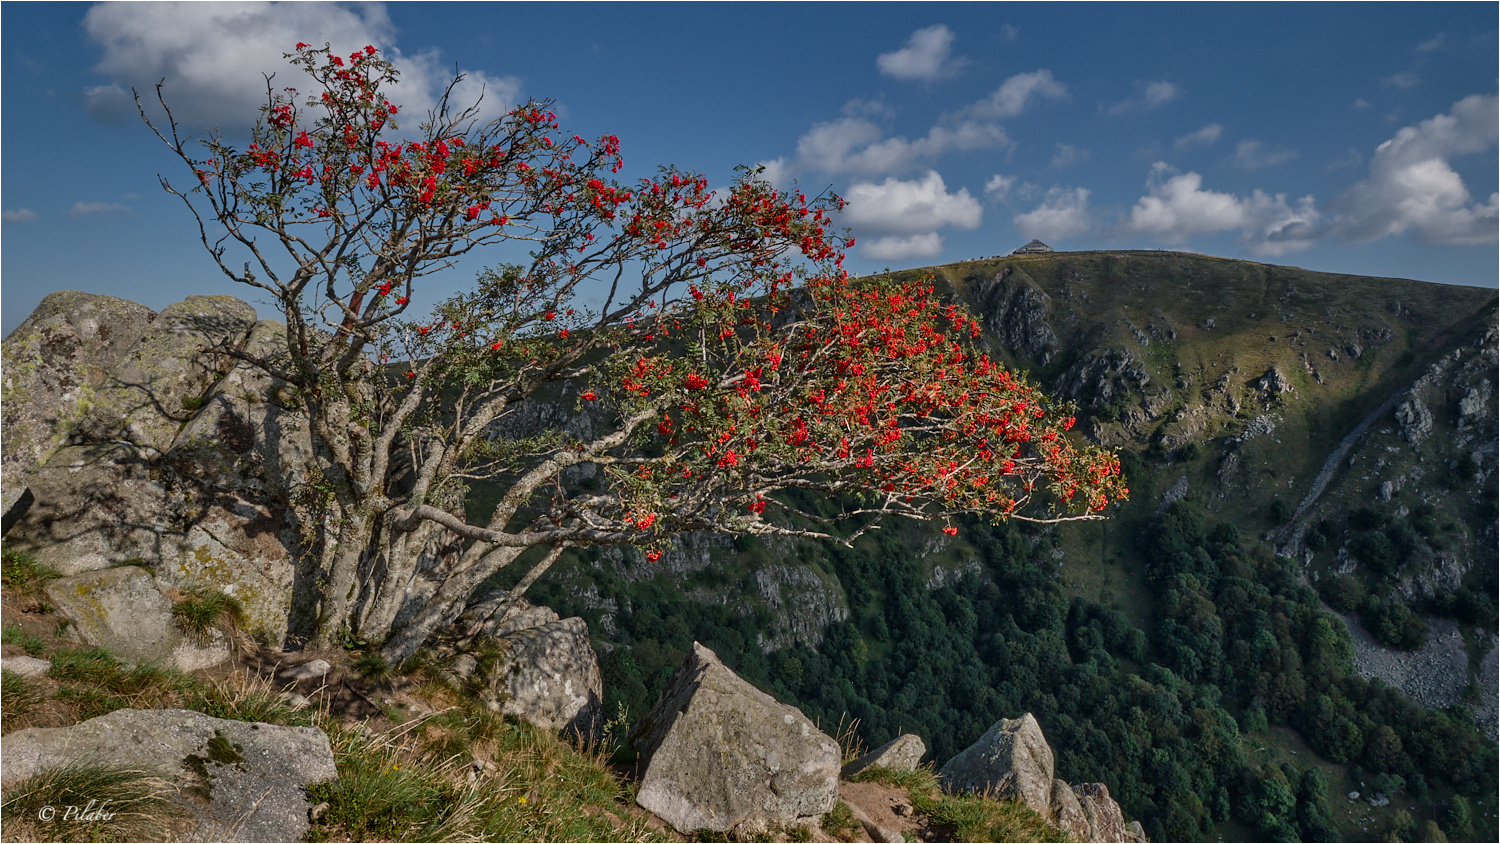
pixel 1415 420
pixel 1016 310
pixel 179 459
pixel 1012 759
pixel 901 753
pixel 123 611
pixel 242 781
pixel 1101 376
pixel 54 363
pixel 1106 821
pixel 720 754
pixel 804 604
pixel 161 380
pixel 550 677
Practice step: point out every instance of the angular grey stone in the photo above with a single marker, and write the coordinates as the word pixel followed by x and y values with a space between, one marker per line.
pixel 901 753
pixel 1067 812
pixel 550 677
pixel 243 781
pixel 720 754
pixel 872 828
pixel 1012 759
pixel 121 610
pixel 305 671
pixel 1106 821
pixel 26 666
pixel 1136 833
pixel 54 362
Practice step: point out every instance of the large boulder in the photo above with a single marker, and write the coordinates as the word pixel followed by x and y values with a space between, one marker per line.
pixel 901 753
pixel 1012 759
pixel 186 474
pixel 54 362
pixel 720 754
pixel 242 781
pixel 550 677
pixel 122 611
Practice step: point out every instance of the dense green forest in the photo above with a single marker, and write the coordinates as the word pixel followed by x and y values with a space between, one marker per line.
pixel 1237 646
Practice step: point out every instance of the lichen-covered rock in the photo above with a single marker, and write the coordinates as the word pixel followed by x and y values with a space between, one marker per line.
pixel 242 781
pixel 54 362
pixel 720 754
pixel 158 383
pixel 1106 822
pixel 901 753
pixel 550 677
pixel 95 506
pixel 1012 759
pixel 122 611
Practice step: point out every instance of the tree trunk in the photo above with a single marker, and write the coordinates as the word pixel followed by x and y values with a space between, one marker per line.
pixel 447 603
pixel 338 592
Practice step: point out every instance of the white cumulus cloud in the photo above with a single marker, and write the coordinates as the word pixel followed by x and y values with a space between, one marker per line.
pixel 910 207
pixel 1412 187
pixel 856 144
pixel 1016 93
pixel 1178 208
pixel 1063 214
pixel 895 248
pixel 213 55
pixel 18 215
pixel 999 186
pixel 925 56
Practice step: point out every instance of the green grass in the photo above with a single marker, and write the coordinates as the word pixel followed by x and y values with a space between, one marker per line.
pixel 21 572
pixel 969 817
pixel 203 610
pixel 465 773
pixel 138 806
pixel 96 683
pixel 14 634
pixel 18 698
pixel 840 823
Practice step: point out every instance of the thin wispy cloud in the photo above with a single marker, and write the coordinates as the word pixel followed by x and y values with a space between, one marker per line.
pixel 1437 42
pixel 18 216
pixel 1016 94
pixel 1203 137
pixel 1405 80
pixel 98 209
pixel 926 56
pixel 1068 155
pixel 1253 155
pixel 1152 95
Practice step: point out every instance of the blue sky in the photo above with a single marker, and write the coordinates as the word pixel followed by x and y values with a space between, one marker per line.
pixel 1350 137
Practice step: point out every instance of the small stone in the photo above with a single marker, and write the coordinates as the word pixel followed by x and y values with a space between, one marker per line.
pixel 306 671
pixel 26 666
pixel 317 811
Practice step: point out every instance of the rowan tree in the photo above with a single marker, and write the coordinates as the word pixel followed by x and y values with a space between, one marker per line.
pixel 719 351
